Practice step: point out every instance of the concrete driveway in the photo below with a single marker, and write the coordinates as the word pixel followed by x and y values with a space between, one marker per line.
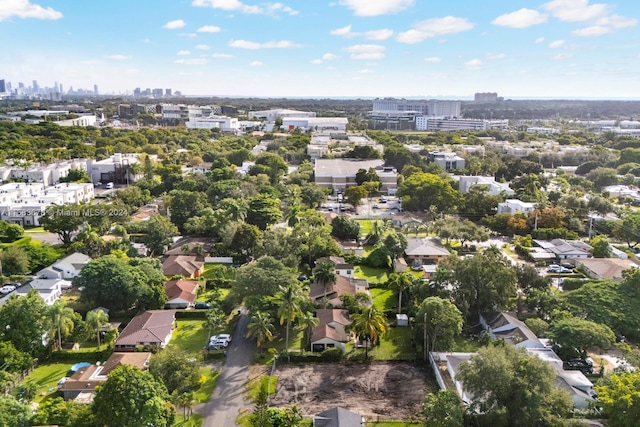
pixel 228 397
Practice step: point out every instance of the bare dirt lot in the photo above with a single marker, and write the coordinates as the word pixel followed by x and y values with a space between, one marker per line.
pixel 386 389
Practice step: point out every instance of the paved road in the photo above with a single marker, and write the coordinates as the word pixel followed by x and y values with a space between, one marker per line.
pixel 228 397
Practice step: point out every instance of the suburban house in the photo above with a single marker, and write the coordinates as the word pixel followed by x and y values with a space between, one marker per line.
pixel 338 417
pixel 421 251
pixel 342 268
pixel 565 249
pixel 350 246
pixel 514 206
pixel 493 187
pixel 85 380
pixel 152 328
pixel 330 331
pixel 342 286
pixel 406 220
pixel 507 326
pixel 66 268
pixel 605 268
pixel 50 290
pixel 182 265
pixel 180 293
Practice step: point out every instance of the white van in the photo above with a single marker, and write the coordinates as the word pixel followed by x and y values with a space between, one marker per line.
pixel 109 185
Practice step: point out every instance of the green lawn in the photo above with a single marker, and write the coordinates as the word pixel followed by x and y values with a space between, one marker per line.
pixel 464 345
pixel 254 385
pixel 383 299
pixel 295 338
pixel 395 345
pixel 372 275
pixel 195 420
pixel 203 394
pixel 206 294
pixel 46 376
pixel 189 335
pixel 35 230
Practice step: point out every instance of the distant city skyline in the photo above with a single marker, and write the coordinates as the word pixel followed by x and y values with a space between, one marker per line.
pixel 328 48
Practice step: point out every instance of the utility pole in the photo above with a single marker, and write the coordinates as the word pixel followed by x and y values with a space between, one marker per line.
pixel 590 227
pixel 425 337
pixel 535 224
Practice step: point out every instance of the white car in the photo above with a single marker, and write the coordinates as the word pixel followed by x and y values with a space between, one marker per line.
pixel 554 268
pixel 221 340
pixel 7 289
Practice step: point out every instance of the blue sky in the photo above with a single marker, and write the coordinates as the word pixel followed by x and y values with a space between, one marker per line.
pixel 327 48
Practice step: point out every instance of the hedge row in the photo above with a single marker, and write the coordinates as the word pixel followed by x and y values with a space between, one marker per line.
pixel 81 356
pixel 191 314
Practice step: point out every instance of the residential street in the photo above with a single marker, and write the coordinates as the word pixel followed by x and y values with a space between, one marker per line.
pixel 228 397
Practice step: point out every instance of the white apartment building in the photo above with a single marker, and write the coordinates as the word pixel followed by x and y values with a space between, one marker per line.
pixel 338 144
pixel 446 124
pixel 224 123
pixel 513 206
pixel 320 124
pixel 272 115
pixel 494 188
pixel 447 161
pixel 182 112
pixel 338 174
pixel 112 169
pixel 47 175
pixel 542 130
pixel 25 203
pixel 432 107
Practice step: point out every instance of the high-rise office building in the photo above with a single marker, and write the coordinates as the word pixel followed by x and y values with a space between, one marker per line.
pixel 3 87
pixel 36 88
pixel 136 91
pixel 95 89
pixel 167 92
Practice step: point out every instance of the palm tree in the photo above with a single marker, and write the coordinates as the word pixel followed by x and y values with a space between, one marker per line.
pixel 289 299
pixel 292 216
pixel 95 320
pixel 325 275
pixel 61 319
pixel 184 401
pixel 400 282
pixel 368 326
pixel 260 327
pixel 236 210
pixel 307 321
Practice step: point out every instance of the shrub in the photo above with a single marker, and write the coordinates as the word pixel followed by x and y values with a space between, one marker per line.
pixel 570 284
pixel 331 355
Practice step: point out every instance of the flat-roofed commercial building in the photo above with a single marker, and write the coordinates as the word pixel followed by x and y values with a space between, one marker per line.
pixel 338 174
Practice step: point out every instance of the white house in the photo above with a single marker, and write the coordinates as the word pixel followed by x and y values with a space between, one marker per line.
pixel 513 206
pixel 66 268
pixel 494 188
pixel 330 331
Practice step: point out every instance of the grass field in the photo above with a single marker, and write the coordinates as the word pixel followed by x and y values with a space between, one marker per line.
pixel 372 275
pixel 189 335
pixel 46 376
pixel 203 394
pixel 193 421
pixel 383 299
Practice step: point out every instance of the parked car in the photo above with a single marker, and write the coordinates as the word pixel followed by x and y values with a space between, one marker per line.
pixel 7 289
pixel 554 268
pixel 220 341
pixel 383 199
pixel 565 270
pixel 202 306
pixel 568 265
pixel 582 365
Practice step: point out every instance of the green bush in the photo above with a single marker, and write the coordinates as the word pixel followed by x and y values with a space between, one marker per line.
pixel 569 284
pixel 191 314
pixel 80 356
pixel 331 355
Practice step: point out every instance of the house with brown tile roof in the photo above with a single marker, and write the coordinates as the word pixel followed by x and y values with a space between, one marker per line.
pixel 342 286
pixel 180 293
pixel 341 266
pixel 183 265
pixel 85 380
pixel 421 251
pixel 605 268
pixel 151 328
pixel 330 331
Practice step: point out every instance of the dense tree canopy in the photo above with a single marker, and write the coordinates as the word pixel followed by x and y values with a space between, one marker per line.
pixel 420 191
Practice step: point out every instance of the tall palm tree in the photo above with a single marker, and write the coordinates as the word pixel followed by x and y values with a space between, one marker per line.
pixel 236 210
pixel 260 327
pixel 368 326
pixel 289 299
pixel 307 321
pixel 61 319
pixel 292 217
pixel 184 401
pixel 400 282
pixel 95 320
pixel 325 275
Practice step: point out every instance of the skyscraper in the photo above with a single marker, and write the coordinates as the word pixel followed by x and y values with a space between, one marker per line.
pixel 95 89
pixel 36 88
pixel 3 88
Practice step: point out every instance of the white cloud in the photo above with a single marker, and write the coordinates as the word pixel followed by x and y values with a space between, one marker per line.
pixel 183 52
pixel 209 29
pixel 25 9
pixel 92 61
pixel 474 64
pixel 202 47
pixel 382 34
pixel 432 60
pixel 316 61
pixel 228 5
pixel 522 18
pixel 575 10
pixel 329 57
pixel 376 7
pixel 433 28
pixel 561 56
pixel 221 55
pixel 494 56
pixel 556 44
pixel 593 31
pixel 279 7
pixel 344 32
pixel 174 25
pixel 540 40
pixel 365 71
pixel 188 35
pixel 281 44
pixel 617 21
pixel 191 61
pixel 118 57
pixel 256 64
pixel 366 51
